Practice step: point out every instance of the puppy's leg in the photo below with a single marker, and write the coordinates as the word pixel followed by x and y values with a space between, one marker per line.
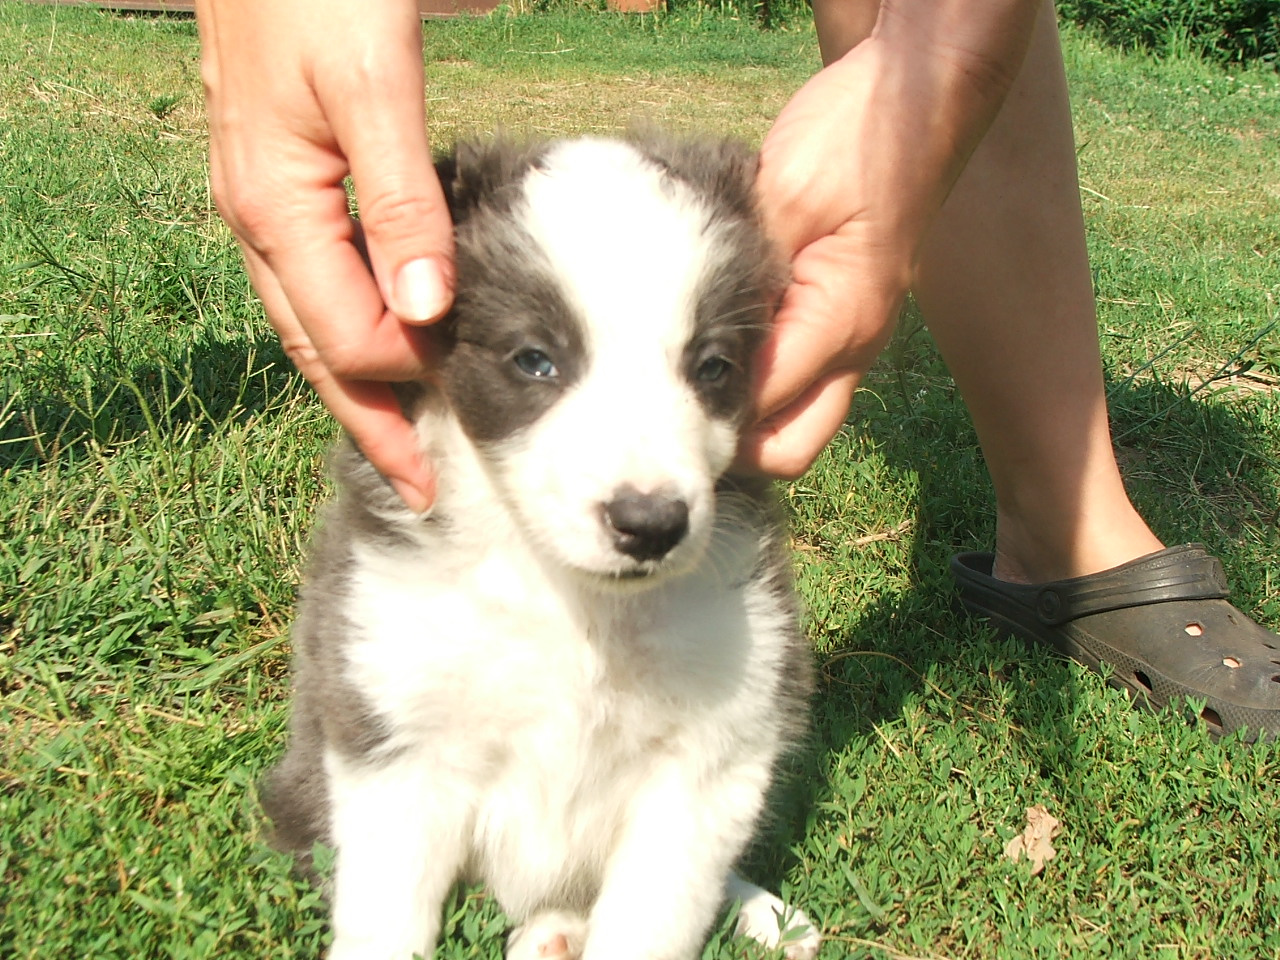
pixel 400 841
pixel 664 882
pixel 553 935
pixel 767 920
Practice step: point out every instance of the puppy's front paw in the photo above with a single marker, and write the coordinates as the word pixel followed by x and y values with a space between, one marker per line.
pixel 553 935
pixel 770 922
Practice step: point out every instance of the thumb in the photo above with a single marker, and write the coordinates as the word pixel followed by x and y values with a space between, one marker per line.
pixel 835 317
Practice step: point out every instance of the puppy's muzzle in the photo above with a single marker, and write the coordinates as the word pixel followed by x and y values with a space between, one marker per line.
pixel 645 526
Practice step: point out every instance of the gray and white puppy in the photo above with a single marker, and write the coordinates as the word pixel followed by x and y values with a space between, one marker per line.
pixel 572 678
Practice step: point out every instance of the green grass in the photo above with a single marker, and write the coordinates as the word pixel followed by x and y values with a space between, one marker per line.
pixel 161 464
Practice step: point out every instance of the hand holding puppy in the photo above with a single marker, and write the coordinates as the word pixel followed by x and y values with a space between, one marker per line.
pixel 852 174
pixel 302 94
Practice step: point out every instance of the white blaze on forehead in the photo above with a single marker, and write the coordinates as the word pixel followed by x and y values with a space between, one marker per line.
pixel 627 245
pixel 627 242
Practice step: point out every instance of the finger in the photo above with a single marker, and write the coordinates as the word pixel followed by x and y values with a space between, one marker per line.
pixel 836 315
pixel 799 350
pixel 368 410
pixel 785 445
pixel 281 187
pixel 378 118
pixel 379 347
pixel 371 415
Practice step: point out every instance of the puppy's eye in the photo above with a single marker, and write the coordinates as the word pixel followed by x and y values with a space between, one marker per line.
pixel 713 369
pixel 535 363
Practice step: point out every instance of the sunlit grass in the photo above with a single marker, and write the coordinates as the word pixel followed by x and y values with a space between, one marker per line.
pixel 161 466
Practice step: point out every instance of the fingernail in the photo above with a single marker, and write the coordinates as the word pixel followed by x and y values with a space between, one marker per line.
pixel 418 499
pixel 420 291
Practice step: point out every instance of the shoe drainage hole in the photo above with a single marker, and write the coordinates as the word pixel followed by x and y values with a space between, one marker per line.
pixel 1143 680
pixel 1210 716
pixel 1231 662
pixel 1194 629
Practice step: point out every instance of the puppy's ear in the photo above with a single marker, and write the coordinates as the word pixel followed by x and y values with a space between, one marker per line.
pixel 720 168
pixel 481 173
pixel 447 172
pixel 723 172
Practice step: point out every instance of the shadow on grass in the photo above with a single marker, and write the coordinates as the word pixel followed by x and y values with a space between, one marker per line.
pixel 209 384
pixel 1197 468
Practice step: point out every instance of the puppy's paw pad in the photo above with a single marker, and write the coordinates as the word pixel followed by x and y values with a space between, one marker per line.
pixel 557 946
pixel 548 936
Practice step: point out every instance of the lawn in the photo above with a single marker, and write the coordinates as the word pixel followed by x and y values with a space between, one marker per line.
pixel 162 464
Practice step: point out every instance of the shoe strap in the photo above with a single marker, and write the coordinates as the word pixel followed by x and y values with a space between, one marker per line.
pixel 1187 572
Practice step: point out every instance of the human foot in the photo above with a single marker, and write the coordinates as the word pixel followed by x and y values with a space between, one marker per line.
pixel 1162 625
pixel 1035 550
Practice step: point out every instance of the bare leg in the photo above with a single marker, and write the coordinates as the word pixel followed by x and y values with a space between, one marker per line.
pixel 843 25
pixel 1004 284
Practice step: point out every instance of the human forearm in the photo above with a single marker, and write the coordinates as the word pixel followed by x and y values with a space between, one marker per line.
pixel 945 69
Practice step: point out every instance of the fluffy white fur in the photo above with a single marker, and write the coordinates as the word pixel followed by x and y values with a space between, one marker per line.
pixel 500 692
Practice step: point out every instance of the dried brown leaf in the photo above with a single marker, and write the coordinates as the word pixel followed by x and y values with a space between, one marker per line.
pixel 1035 841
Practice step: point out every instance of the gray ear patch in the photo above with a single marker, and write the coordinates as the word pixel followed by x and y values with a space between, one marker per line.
pixel 721 171
pixel 486 172
pixel 509 301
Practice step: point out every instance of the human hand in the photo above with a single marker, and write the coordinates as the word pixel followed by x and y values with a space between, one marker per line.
pixel 851 176
pixel 301 94
pixel 851 256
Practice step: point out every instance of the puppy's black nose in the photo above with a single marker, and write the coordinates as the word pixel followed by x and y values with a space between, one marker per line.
pixel 646 526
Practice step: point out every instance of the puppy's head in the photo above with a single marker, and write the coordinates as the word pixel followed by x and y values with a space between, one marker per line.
pixel 611 296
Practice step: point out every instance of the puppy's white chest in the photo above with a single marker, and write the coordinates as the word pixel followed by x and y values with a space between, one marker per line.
pixel 488 640
pixel 544 710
